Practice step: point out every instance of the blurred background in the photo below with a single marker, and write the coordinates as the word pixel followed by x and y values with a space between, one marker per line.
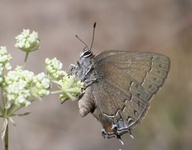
pixel 142 25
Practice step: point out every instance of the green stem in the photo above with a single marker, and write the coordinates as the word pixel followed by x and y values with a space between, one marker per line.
pixel 26 56
pixel 9 112
pixel 6 138
pixel 56 92
pixel 3 99
pixel 5 113
pixel 13 110
pixel 1 110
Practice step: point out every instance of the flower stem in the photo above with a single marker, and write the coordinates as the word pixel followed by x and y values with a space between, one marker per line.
pixel 6 138
pixel 26 56
pixel 1 110
pixel 13 110
pixel 3 100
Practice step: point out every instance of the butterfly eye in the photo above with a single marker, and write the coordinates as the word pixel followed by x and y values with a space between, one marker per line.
pixel 86 53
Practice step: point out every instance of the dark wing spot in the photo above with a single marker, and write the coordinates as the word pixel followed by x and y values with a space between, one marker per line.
pixel 129 119
pixel 149 86
pixel 135 112
pixel 138 94
pixel 139 104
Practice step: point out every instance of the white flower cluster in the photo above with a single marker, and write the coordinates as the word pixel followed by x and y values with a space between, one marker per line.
pixel 70 88
pixel 21 86
pixel 27 41
pixel 17 87
pixel 41 84
pixel 53 68
pixel 4 61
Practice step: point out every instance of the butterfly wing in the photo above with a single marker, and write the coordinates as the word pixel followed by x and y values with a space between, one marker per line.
pixel 126 81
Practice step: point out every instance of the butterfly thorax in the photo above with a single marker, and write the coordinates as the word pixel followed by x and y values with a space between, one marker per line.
pixel 83 69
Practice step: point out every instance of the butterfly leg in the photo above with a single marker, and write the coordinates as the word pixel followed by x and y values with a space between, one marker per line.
pixel 88 82
pixel 71 67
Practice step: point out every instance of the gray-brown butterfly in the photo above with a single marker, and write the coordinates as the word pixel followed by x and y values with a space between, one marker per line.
pixel 119 86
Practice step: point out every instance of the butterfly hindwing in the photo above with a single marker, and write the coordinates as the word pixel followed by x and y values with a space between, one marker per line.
pixel 126 81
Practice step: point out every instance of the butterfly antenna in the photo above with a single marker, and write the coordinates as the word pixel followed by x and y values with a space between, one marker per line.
pixel 82 41
pixel 94 26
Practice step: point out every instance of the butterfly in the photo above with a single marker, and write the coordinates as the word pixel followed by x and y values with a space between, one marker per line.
pixel 119 86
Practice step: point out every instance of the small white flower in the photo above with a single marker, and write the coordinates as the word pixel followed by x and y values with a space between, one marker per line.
pixel 4 56
pixel 33 37
pixel 53 68
pixel 40 85
pixel 27 41
pixel 8 66
pixel 4 61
